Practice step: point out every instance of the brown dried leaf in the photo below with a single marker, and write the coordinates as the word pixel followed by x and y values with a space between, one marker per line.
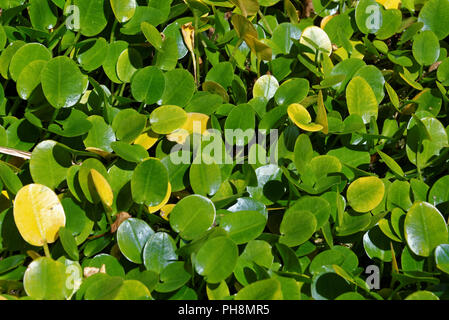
pixel 121 216
pixel 90 271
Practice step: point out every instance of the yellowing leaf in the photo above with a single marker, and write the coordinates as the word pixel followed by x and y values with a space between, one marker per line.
pixel 390 4
pixel 147 139
pixel 325 20
pixel 301 117
pixel 243 27
pixel 361 99
pixel 165 210
pixel 196 123
pixel 321 117
pixel 365 194
pixel 262 50
pixel 38 214
pixel 98 151
pixel 247 7
pixel 103 188
pixel 163 203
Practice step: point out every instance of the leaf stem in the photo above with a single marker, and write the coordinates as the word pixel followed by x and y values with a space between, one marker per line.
pixel 47 250
pixel 75 41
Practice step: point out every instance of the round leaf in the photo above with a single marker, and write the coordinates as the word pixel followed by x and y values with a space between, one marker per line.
pixel 216 259
pixel 166 119
pixel 365 193
pixel 38 214
pixel 62 82
pixel 425 228
pixel 192 216
pixel 132 235
pixel 149 182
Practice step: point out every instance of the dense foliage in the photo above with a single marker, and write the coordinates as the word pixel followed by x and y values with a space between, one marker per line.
pixel 224 149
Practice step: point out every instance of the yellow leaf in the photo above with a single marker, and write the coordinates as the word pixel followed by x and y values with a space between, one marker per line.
pixel 38 214
pixel 188 33
pixel 165 210
pixel 103 188
pixel 321 117
pixel 301 117
pixel 163 203
pixel 390 4
pixel 5 194
pixel 147 139
pixel 196 123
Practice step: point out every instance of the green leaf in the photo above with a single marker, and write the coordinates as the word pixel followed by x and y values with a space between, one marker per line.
pixel 10 180
pixel 393 165
pixel 93 18
pixel 69 243
pixel 179 88
pixel 442 257
pixel 25 55
pixel 422 295
pixel 149 182
pixel 240 124
pixel 128 124
pixel 205 179
pixel 42 14
pixel 152 35
pixel 243 226
pixel 168 118
pixel 123 9
pixel 268 289
pixel 91 57
pixel 221 73
pixel 292 91
pixel 7 55
pixel 100 136
pixel 426 48
pixel 435 16
pixel 49 163
pixel 46 279
pixel 128 62
pixel 216 259
pixel 30 78
pixel 368 16
pixel 338 255
pixel 425 229
pixel 148 85
pixel 420 151
pixel 131 153
pixel 132 235
pixel 188 224
pixel 62 82
pixel 297 227
pixel 115 49
pixel 159 251
pixel 85 180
